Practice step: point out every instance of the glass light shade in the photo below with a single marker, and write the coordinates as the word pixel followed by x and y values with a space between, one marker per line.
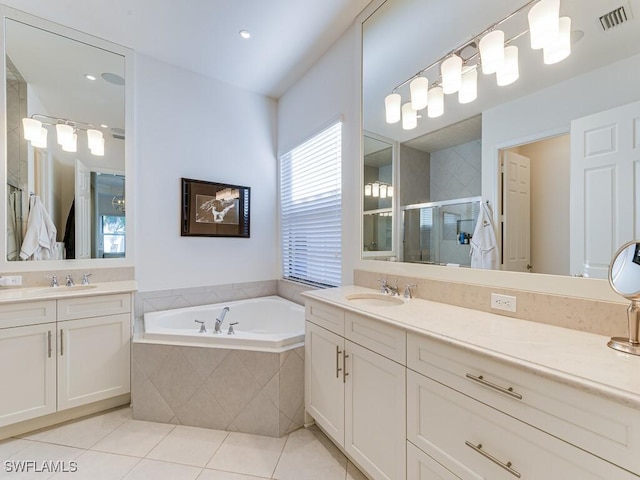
pixel 72 145
pixel 492 51
pixel 436 102
pixel 419 88
pixel 469 87
pixel 64 134
pixel 389 190
pixel 383 191
pixel 31 128
pixel 375 189
pixel 367 190
pixel 392 107
pixel 509 72
pixel 409 117
pixel 544 23
pixel 98 151
pixel 451 70
pixel 41 140
pixel 94 138
pixel 561 48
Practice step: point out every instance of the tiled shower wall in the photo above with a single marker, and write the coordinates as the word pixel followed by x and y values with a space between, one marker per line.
pixel 594 316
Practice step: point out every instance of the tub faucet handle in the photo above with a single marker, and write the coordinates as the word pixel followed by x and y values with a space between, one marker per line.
pixel 202 329
pixel 231 330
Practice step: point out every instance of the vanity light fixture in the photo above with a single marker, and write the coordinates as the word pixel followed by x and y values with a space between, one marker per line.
pixel 378 190
pixel 489 51
pixel 66 133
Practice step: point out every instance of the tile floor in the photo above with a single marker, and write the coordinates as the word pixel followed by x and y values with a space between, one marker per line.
pixel 112 446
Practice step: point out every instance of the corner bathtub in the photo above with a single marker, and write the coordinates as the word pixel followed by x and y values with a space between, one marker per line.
pixel 250 382
pixel 270 324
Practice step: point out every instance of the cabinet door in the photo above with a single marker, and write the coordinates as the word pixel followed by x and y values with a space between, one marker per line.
pixel 375 413
pixel 27 372
pixel 93 359
pixel 421 466
pixel 324 383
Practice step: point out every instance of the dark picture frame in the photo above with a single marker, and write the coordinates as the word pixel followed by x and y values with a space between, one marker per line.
pixel 211 209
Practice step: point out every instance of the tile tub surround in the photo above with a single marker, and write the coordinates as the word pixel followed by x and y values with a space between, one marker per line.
pixel 593 316
pixel 236 390
pixel 196 296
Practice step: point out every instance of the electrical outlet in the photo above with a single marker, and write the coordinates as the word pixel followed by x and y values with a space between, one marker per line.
pixel 503 302
pixel 9 281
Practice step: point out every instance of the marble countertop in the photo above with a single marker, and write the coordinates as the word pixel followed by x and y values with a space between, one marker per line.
pixel 23 294
pixel 576 358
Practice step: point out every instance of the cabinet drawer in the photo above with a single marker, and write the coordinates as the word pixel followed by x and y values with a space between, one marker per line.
pixel 421 466
pixel 387 340
pixel 327 316
pixel 86 307
pixel 475 441
pixel 30 313
pixel 598 425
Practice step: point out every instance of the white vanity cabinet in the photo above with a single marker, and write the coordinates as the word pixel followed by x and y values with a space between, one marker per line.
pixel 28 357
pixel 59 354
pixel 355 387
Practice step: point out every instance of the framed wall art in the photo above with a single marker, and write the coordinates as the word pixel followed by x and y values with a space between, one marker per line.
pixel 211 209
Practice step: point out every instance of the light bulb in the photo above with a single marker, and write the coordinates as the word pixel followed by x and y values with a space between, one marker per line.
pixel 492 51
pixel 419 87
pixel 559 49
pixel 544 23
pixel 409 117
pixel 451 70
pixel 392 107
pixel 509 72
pixel 436 102
pixel 469 87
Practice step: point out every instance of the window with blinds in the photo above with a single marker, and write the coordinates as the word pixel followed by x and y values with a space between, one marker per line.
pixel 311 209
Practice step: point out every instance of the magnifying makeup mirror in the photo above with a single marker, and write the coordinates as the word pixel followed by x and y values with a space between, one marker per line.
pixel 624 278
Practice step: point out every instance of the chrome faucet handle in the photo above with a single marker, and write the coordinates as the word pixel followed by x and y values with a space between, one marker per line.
pixel 407 290
pixel 54 280
pixel 202 328
pixel 69 281
pixel 231 330
pixel 217 326
pixel 393 290
pixel 85 278
pixel 384 286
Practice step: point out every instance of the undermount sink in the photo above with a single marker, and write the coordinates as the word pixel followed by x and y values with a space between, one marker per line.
pixel 374 300
pixel 61 290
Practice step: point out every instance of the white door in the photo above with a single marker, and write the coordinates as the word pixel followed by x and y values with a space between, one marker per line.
pixel 28 373
pixel 375 419
pixel 605 161
pixel 516 221
pixel 82 210
pixel 324 382
pixel 93 359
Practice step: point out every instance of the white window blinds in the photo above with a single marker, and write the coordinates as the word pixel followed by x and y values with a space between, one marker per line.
pixel 311 209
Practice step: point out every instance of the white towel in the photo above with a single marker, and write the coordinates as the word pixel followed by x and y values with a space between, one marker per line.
pixel 484 247
pixel 40 240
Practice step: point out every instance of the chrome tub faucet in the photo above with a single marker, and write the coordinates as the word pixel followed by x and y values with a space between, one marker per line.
pixel 217 328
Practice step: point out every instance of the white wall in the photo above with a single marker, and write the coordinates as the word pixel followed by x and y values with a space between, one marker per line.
pixel 191 126
pixel 330 89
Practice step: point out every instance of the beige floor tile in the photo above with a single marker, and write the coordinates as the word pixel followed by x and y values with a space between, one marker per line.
pixel 83 433
pixel 219 475
pixel 156 470
pixel 11 446
pixel 309 455
pixel 135 438
pixel 248 454
pixel 189 445
pixel 39 453
pixel 99 466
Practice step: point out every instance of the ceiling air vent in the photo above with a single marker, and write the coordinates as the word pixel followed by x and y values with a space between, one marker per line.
pixel 614 18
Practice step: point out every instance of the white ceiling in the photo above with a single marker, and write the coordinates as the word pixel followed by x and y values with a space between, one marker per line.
pixel 288 36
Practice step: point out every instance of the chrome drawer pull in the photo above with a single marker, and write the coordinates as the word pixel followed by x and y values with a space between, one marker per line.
pixel 344 364
pixel 506 466
pixel 338 369
pixel 61 343
pixel 49 344
pixel 480 379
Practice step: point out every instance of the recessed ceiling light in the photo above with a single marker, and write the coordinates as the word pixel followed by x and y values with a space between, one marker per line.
pixel 88 76
pixel 104 126
pixel 245 34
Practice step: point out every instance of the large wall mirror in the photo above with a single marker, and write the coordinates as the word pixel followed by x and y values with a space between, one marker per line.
pixel 449 165
pixel 68 196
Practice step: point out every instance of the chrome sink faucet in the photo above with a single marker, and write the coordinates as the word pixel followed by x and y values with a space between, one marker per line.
pixel 69 281
pixel 388 289
pixel 217 328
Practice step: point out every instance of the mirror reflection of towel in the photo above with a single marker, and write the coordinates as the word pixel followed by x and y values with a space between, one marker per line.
pixel 484 247
pixel 40 240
